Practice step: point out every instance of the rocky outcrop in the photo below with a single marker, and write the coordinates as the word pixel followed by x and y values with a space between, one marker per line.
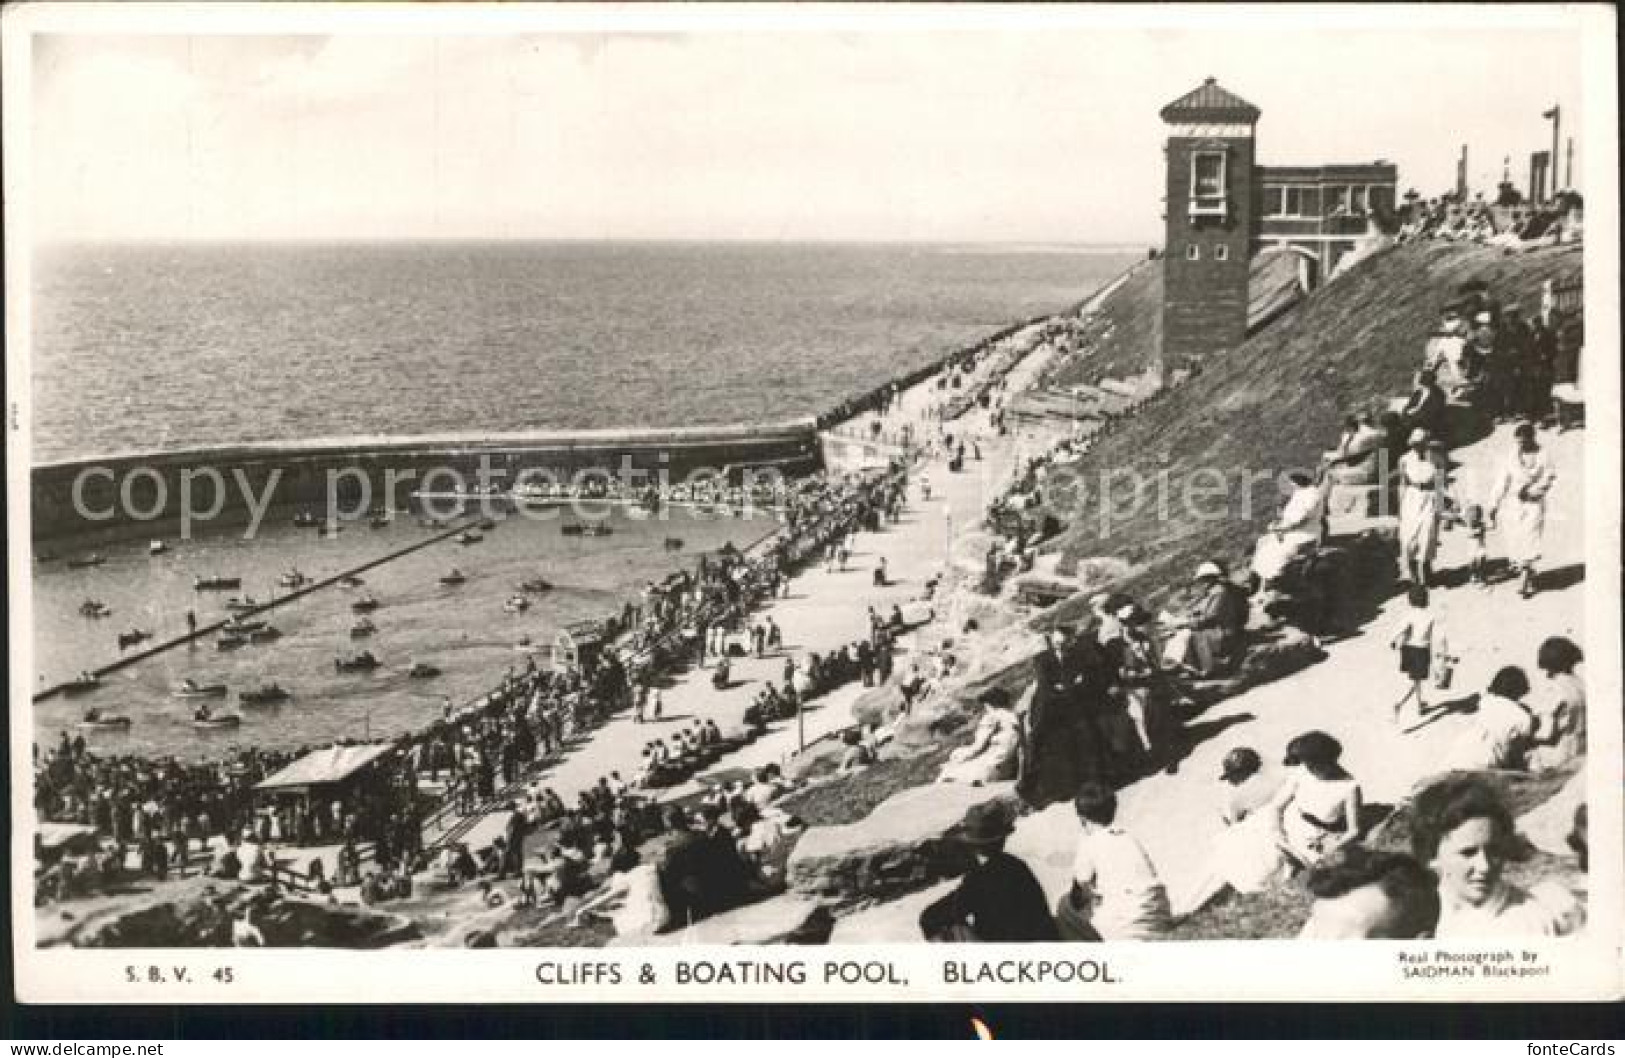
pixel 201 916
pixel 906 843
pixel 1282 654
pixel 789 918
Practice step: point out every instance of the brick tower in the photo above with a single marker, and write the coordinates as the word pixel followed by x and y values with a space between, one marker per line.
pixel 1210 217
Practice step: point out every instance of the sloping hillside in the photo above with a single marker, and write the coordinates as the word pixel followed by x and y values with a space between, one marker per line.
pixel 1273 403
pixel 1124 337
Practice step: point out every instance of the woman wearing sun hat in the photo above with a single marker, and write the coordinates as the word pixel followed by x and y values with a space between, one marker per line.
pixel 998 900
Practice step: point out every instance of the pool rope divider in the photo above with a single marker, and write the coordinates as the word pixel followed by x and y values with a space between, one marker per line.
pixel 298 593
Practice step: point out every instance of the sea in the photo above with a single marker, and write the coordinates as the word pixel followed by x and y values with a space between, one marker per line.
pixel 147 346
pixel 171 347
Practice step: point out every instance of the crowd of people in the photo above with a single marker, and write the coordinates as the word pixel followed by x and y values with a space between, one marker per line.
pixel 1090 720
pixel 161 818
pixel 1507 222
pixel 164 809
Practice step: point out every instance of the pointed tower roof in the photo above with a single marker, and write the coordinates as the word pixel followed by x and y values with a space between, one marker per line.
pixel 1210 102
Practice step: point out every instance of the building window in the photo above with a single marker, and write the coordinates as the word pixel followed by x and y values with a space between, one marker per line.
pixel 1300 202
pixel 1337 200
pixel 1274 201
pixel 1207 184
pixel 1193 252
pixel 1221 252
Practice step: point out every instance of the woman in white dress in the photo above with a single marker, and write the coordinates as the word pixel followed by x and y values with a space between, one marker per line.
pixel 1246 854
pixel 994 751
pixel 1296 530
pixel 1421 494
pixel 1527 477
pixel 630 901
pixel 1461 829
pixel 1319 804
pixel 1500 732
pixel 1560 735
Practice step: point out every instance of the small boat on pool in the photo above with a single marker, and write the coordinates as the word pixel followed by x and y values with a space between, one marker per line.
pixel 362 628
pixel 229 641
pixel 85 561
pixel 83 684
pixel 293 579
pixel 237 624
pixel 454 577
pixel 94 608
pixel 216 583
pixel 265 694
pixel 264 635
pixel 133 637
pixel 247 602
pixel 157 547
pixel 190 688
pixel 422 670
pixel 365 604
pixel 350 580
pixel 535 585
pixel 96 720
pixel 516 604
pixel 306 520
pixel 469 536
pixel 586 529
pixel 486 524
pixel 362 662
pixel 206 719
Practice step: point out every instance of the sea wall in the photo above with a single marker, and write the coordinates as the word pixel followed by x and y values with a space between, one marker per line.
pixel 141 491
pixel 83 500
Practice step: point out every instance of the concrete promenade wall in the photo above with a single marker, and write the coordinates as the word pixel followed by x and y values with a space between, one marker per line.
pixel 137 491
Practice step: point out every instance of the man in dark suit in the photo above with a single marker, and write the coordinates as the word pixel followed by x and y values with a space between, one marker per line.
pixel 998 900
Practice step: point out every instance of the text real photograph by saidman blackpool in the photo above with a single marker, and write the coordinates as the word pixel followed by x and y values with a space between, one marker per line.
pixel 813 504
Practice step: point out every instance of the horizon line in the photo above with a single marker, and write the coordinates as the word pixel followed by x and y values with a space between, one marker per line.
pixel 112 239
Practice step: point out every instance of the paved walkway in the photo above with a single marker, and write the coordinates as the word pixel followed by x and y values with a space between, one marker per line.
pixel 1351 694
pixel 824 609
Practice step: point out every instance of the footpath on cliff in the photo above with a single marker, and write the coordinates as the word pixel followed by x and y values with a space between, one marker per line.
pixel 826 609
pixel 1350 694
pixel 1350 691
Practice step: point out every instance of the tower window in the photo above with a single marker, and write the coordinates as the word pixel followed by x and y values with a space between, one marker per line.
pixel 1221 252
pixel 1193 252
pixel 1207 184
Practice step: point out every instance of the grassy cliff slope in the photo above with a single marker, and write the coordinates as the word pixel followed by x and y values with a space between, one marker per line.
pixel 1273 403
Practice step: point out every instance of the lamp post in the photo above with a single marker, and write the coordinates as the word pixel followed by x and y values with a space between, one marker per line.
pixel 1555 116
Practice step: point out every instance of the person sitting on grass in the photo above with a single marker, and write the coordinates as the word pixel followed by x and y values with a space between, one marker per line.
pixel 857 756
pixel 998 900
pixel 1500 730
pixel 1116 894
pixel 993 752
pixel 1246 853
pixel 1210 638
pixel 1561 734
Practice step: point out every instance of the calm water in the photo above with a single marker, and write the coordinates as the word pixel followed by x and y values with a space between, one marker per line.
pixel 155 346
pixel 150 346
pixel 462 630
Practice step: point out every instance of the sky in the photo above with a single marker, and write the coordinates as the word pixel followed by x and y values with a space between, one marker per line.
pixel 908 130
